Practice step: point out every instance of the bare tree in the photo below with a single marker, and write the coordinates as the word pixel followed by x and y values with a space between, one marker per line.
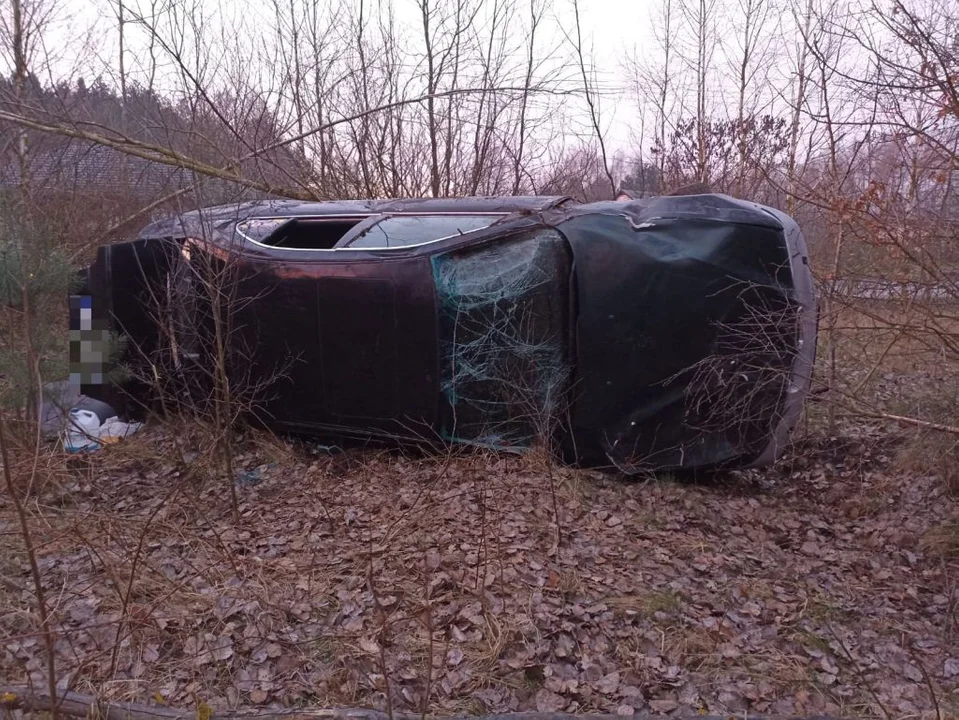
pixel 799 81
pixel 700 20
pixel 592 101
pixel 753 39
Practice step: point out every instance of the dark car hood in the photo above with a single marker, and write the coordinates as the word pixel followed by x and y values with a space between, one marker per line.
pixel 657 282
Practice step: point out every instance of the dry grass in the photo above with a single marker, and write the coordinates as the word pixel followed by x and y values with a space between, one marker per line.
pixel 487 583
pixel 441 583
pixel 895 357
pixel 942 540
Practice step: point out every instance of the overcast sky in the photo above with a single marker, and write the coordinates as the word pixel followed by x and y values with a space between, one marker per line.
pixel 612 30
pixel 615 28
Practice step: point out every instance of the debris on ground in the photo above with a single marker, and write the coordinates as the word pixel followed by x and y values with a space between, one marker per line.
pixel 80 423
pixel 86 433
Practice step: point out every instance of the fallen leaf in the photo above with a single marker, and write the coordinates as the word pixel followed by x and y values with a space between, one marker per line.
pixel 454 657
pixel 369 645
pixel 608 683
pixel 663 705
pixel 548 701
pixel 912 672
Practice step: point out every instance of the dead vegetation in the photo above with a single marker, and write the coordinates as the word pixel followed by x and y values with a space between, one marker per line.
pixel 438 585
pixel 483 583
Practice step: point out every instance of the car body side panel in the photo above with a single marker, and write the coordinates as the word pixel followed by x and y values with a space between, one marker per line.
pixel 359 337
pixel 356 342
pixel 277 329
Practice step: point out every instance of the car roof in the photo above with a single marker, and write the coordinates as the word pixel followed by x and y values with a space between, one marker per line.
pixel 174 225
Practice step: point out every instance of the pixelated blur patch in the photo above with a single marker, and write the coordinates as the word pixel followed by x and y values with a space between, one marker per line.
pixel 89 342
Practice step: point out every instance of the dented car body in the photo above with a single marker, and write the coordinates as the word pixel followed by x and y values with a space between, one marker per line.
pixel 666 333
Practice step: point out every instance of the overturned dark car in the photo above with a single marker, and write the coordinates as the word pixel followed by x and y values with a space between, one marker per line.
pixel 667 333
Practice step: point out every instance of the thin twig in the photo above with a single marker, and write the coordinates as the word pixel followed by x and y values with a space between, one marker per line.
pixel 34 569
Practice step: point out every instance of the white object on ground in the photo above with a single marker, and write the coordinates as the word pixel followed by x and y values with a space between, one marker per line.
pixel 115 429
pixel 85 432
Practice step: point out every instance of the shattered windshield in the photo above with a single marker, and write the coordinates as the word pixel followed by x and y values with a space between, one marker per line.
pixel 405 230
pixel 503 341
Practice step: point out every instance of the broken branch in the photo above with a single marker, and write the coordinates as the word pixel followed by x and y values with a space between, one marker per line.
pixel 919 423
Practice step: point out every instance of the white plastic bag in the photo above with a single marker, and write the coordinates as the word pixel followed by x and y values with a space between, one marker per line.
pixel 85 433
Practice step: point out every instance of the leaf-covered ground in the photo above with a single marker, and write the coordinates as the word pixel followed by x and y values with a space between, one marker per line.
pixel 485 583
